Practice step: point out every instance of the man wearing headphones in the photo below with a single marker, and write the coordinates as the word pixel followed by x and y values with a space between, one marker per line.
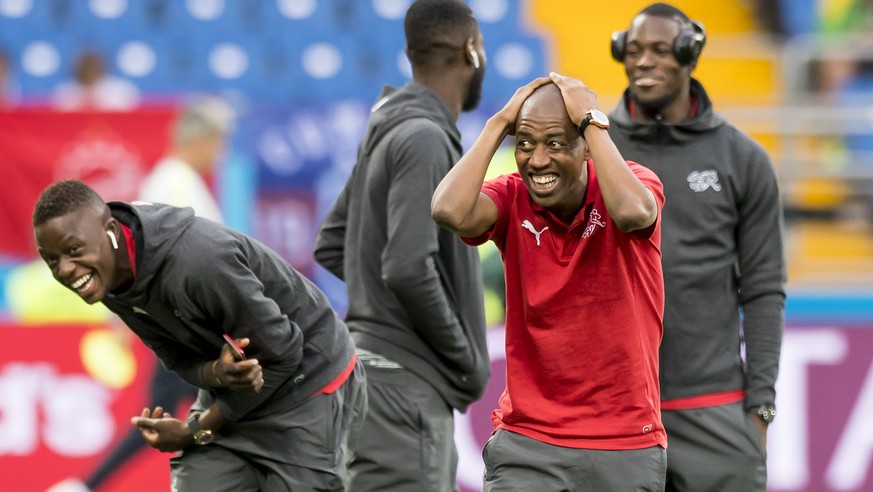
pixel 722 255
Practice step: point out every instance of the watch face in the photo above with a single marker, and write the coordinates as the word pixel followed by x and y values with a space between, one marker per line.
pixel 203 437
pixel 599 118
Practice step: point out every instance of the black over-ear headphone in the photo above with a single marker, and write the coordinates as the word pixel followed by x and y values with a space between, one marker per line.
pixel 686 48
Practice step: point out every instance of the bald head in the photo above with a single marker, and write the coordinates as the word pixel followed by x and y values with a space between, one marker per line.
pixel 545 104
pixel 546 94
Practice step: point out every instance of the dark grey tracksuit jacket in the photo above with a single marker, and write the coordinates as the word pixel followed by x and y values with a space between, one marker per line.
pixel 415 290
pixel 722 252
pixel 196 279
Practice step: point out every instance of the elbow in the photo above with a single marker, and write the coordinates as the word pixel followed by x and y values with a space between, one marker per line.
pixel 401 280
pixel 442 218
pixel 636 218
pixel 445 215
pixel 330 261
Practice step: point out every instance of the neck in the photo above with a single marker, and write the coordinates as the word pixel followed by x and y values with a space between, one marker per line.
pixel 677 111
pixel 446 87
pixel 567 212
pixel 674 111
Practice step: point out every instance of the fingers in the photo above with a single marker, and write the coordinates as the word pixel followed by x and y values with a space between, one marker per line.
pixel 561 80
pixel 246 375
pixel 526 90
pixel 144 423
pixel 509 113
pixel 227 355
pixel 147 418
pixel 578 97
pixel 537 82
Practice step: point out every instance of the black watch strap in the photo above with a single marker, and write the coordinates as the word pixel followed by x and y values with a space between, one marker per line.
pixel 585 122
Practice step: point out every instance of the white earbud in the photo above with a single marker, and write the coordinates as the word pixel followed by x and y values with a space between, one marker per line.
pixel 112 238
pixel 475 56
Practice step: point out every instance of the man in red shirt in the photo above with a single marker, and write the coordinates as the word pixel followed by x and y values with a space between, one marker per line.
pixel 578 228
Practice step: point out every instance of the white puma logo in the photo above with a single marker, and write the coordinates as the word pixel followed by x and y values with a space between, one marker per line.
pixel 527 225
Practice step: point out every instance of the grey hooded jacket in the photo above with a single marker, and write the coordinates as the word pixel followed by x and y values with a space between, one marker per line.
pixel 415 290
pixel 722 251
pixel 196 280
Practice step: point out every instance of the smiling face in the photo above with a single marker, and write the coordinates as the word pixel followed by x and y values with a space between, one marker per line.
pixel 657 82
pixel 550 153
pixel 79 253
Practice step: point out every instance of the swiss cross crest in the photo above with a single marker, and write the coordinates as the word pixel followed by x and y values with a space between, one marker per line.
pixel 700 181
pixel 594 220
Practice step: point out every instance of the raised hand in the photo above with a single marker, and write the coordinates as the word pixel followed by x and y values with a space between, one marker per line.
pixel 509 113
pixel 578 97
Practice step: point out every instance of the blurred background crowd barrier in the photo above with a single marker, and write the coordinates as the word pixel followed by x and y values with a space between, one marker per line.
pixel 89 88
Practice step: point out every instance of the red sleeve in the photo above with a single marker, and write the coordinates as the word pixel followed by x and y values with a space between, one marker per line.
pixel 499 190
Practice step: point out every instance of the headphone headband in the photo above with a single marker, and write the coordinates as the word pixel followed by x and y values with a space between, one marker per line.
pixel 686 47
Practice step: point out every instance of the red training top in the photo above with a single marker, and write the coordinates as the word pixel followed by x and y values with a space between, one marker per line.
pixel 583 320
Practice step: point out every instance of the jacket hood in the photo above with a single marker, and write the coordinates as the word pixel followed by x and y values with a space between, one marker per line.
pixel 413 100
pixel 706 120
pixel 156 228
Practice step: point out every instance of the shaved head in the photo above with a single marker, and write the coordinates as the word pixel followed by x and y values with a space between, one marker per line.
pixel 547 101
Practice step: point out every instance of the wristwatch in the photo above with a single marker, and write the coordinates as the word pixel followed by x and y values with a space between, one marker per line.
pixel 202 436
pixel 766 412
pixel 593 117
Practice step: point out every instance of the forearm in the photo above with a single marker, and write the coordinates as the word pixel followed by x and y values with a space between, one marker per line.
pixel 330 256
pixel 330 243
pixel 630 204
pixel 209 375
pixel 762 327
pixel 454 202
pixel 182 362
pixel 212 418
pixel 432 315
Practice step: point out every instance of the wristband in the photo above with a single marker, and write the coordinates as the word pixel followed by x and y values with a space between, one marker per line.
pixel 215 373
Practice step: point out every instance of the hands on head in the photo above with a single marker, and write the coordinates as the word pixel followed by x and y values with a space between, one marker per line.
pixel 509 114
pixel 578 97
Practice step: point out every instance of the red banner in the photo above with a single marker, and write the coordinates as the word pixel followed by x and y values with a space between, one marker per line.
pixel 67 394
pixel 110 151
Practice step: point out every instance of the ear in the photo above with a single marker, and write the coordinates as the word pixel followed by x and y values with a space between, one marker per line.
pixel 111 224
pixel 472 54
pixel 586 152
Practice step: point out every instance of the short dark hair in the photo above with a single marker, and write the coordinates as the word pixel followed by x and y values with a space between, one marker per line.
pixel 62 198
pixel 666 10
pixel 432 26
